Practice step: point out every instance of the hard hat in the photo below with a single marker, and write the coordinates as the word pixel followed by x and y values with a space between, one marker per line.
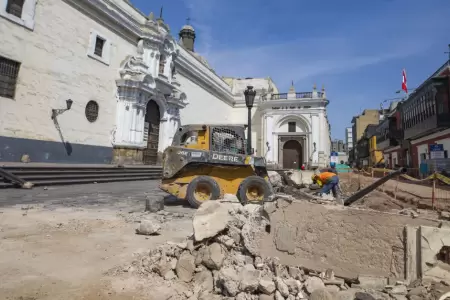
pixel 314 176
pixel 333 164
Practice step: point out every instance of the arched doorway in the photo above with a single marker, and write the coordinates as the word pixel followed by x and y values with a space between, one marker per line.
pixel 151 133
pixel 292 155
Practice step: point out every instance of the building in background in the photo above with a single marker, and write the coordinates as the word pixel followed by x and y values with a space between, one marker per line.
pixel 425 123
pixel 132 84
pixel 359 125
pixel 349 138
pixel 291 129
pixel 366 148
pixel 338 146
pixel 411 132
pixel 389 135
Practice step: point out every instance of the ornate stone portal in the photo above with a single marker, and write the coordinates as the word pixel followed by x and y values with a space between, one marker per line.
pixel 288 158
pixel 142 79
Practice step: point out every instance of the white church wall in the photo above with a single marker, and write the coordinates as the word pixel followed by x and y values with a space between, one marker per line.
pixel 299 126
pixel 240 116
pixel 202 107
pixel 60 42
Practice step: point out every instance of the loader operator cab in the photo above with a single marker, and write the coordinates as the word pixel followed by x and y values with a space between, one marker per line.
pixel 219 138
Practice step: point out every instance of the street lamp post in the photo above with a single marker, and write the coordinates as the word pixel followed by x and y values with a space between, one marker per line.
pixel 249 94
pixel 57 112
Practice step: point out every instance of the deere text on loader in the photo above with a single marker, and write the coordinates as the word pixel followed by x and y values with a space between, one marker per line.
pixel 207 161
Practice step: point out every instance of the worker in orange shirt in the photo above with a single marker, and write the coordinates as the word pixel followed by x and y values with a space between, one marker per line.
pixel 328 181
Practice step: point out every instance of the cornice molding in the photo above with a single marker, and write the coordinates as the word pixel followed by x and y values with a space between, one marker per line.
pixel 108 14
pixel 191 68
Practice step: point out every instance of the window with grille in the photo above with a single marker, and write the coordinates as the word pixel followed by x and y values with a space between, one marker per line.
pixel 15 7
pixel 9 70
pixel 99 43
pixel 91 111
pixel 291 126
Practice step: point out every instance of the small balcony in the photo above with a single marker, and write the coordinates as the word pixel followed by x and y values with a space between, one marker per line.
pixel 300 95
pixel 426 112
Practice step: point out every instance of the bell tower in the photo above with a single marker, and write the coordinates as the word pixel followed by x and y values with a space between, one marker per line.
pixel 187 36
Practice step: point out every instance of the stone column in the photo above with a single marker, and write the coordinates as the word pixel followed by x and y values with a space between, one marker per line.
pixel 269 138
pixel 119 134
pixel 128 139
pixel 124 123
pixel 276 143
pixel 162 141
pixel 315 139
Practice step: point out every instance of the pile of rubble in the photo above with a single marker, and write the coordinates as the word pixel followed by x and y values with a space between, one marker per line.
pixel 299 184
pixel 221 261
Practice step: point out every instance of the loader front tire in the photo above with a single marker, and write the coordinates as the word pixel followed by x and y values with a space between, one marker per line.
pixel 254 189
pixel 201 189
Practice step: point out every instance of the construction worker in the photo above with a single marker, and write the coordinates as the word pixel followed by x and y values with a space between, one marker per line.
pixel 328 181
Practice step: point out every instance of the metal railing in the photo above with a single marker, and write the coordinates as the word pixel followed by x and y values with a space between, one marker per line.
pixel 300 95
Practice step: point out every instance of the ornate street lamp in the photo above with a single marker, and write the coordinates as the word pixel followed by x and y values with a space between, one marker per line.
pixel 57 112
pixel 249 94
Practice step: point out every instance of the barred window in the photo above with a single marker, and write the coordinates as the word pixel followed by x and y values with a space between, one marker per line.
pixel 99 43
pixel 91 111
pixel 15 7
pixel 9 70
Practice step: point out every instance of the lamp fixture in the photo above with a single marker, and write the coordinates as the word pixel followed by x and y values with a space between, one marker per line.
pixel 57 112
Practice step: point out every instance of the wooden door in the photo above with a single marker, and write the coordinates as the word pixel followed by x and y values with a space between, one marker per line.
pixel 151 133
pixel 292 155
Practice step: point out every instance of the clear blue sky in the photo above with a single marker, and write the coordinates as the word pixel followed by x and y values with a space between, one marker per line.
pixel 356 48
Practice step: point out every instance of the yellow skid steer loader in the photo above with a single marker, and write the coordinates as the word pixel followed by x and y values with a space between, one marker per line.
pixel 207 161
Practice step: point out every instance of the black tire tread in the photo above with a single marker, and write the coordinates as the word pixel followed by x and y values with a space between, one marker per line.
pixel 251 179
pixel 191 188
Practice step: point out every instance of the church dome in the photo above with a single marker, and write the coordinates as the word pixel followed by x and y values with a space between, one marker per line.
pixel 187 27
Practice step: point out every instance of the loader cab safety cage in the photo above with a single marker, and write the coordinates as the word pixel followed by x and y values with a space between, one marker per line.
pixel 218 138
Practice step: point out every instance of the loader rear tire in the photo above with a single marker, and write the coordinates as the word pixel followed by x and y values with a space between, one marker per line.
pixel 254 189
pixel 201 189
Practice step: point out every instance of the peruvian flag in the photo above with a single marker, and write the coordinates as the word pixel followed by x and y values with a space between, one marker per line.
pixel 404 85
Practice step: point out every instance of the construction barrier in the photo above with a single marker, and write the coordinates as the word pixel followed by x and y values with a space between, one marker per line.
pixel 431 192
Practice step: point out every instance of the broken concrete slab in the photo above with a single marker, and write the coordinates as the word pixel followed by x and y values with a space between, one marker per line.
pixel 411 270
pixel 275 178
pixel 284 236
pixel 372 282
pixel 301 177
pixel 148 227
pixel 348 240
pixel 211 218
pixel 432 241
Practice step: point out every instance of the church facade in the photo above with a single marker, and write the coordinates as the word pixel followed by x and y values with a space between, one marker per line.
pixel 289 129
pixel 97 81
